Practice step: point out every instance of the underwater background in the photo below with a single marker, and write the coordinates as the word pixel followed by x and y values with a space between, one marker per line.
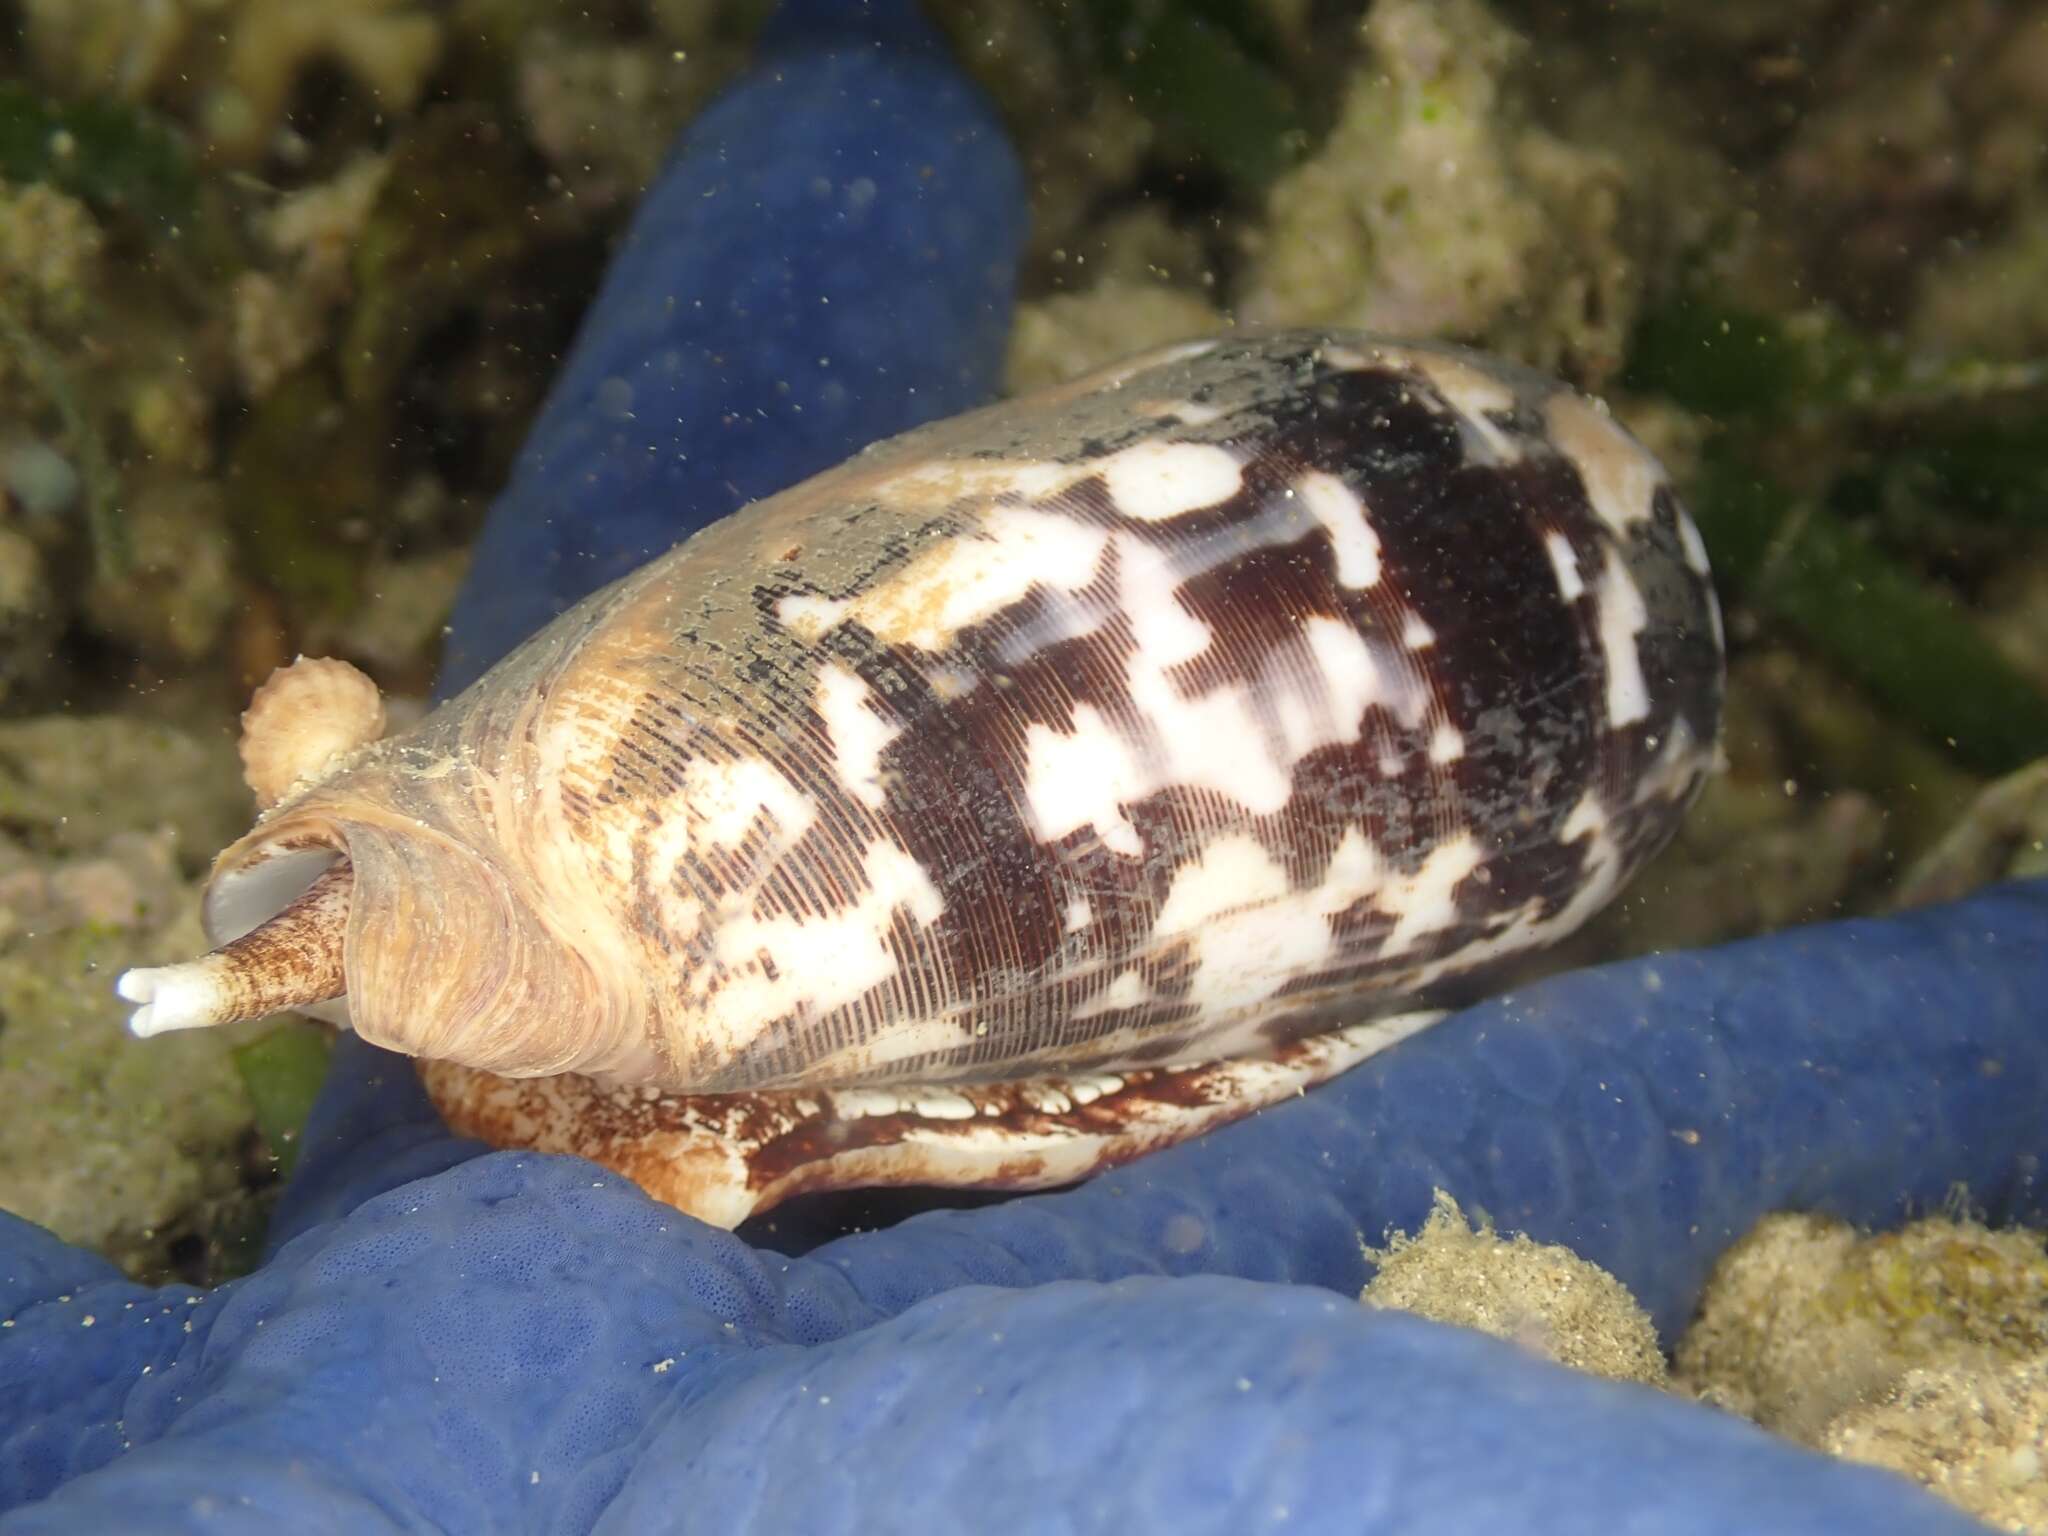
pixel 283 284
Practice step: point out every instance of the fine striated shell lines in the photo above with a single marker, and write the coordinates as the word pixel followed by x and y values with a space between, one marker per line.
pixel 1260 686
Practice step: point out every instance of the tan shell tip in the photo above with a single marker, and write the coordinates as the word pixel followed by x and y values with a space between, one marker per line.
pixel 304 718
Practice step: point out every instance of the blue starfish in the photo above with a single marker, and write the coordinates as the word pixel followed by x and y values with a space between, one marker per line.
pixel 444 1338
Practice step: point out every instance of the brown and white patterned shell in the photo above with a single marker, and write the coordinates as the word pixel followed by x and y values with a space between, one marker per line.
pixel 1249 689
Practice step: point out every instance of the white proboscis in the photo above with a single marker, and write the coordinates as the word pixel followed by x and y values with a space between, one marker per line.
pixel 290 960
pixel 184 996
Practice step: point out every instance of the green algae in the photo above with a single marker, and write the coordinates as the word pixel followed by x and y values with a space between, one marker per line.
pixel 1867 614
pixel 1830 557
pixel 282 1072
pixel 1987 467
pixel 305 468
pixel 53 380
pixel 110 153
pixel 1205 72
pixel 1733 363
pixel 456 213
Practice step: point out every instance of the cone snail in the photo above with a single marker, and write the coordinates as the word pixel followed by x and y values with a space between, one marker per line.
pixel 1036 788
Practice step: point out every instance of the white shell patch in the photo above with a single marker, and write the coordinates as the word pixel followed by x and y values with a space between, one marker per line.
pixel 1472 393
pixel 1188 413
pixel 1689 540
pixel 1621 480
pixel 1211 741
pixel 771 967
pixel 1338 508
pixel 1467 389
pixel 1425 900
pixel 809 616
pixel 721 802
pixel 935 484
pixel 1527 927
pixel 976 575
pixel 1251 935
pixel 1074 779
pixel 1059 1095
pixel 1565 561
pixel 859 735
pixel 1167 634
pixel 1083 776
pixel 1233 872
pixel 1157 480
pixel 1128 990
pixel 1623 616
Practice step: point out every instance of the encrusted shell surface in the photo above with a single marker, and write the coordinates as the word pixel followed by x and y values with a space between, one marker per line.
pixel 1249 689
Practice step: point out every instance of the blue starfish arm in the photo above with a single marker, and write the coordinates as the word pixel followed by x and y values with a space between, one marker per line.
pixel 440 1343
pixel 1212 1405
pixel 461 1351
pixel 67 1357
pixel 372 1129
pixel 827 260
pixel 1644 1114
pixel 36 1265
pixel 524 1342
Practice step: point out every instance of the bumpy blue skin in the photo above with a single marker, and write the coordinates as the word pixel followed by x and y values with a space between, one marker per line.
pixel 510 1342
pixel 827 260
pixel 449 1339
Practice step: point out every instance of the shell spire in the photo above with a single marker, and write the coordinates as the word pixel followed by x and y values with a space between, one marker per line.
pixel 291 961
pixel 304 722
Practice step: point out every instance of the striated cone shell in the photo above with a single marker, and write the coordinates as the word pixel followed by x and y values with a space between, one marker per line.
pixel 1254 687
